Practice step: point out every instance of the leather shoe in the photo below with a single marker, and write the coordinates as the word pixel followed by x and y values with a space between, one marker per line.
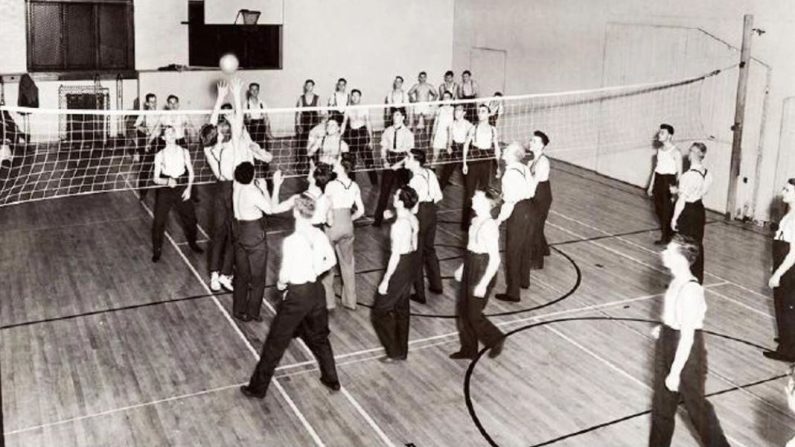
pixel 415 297
pixel 461 356
pixel 333 385
pixel 496 350
pixel 246 390
pixel 156 256
pixel 437 291
pixel 506 297
pixel 779 355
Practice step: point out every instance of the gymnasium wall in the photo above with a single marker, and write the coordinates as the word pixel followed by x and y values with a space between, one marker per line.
pixel 554 45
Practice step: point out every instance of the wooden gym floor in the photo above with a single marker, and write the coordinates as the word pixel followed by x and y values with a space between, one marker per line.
pixel 98 346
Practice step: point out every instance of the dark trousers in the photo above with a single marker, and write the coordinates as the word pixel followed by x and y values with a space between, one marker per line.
pixel 691 390
pixel 165 199
pixel 358 140
pixel 519 236
pixel 472 325
pixel 251 264
pixel 542 202
pixel 477 179
pixel 222 253
pixel 691 223
pixel 390 314
pixel 426 250
pixel 302 311
pixel 450 164
pixel 300 151
pixel 391 180
pixel 784 301
pixel 663 203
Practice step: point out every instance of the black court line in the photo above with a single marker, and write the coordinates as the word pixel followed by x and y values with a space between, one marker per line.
pixel 361 272
pixel 570 292
pixel 490 440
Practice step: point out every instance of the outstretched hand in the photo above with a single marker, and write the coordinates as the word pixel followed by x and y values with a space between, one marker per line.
pixel 223 89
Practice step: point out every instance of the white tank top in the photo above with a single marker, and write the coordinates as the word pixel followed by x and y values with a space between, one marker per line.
pixel 667 161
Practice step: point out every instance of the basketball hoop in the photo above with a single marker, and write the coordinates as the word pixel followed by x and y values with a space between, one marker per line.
pixel 250 17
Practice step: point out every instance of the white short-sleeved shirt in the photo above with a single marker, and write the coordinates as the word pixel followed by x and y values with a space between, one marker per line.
pixel 342 195
pixel 404 141
pixel 427 186
pixel 313 243
pixel 322 205
pixel 668 161
pixel 248 201
pixel 694 184
pixel 684 305
pixel 516 183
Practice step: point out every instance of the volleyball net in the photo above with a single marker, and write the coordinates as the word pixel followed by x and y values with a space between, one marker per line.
pixel 59 153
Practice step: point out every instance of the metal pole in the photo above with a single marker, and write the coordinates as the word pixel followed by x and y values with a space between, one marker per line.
pixel 739 116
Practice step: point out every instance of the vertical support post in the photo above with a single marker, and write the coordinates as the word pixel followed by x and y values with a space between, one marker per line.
pixel 739 116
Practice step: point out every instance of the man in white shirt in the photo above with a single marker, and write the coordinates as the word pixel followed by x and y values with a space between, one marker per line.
pixel 306 254
pixel 667 169
pixel 422 92
pixel 518 187
pixel 339 100
pixel 681 356
pixel 424 182
pixel 396 142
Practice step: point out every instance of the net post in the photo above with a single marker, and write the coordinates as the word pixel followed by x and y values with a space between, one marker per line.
pixel 739 116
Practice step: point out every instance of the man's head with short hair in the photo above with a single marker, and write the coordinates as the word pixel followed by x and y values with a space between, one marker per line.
pixel 406 197
pixel 483 201
pixel 466 75
pixel 309 85
pixel 321 175
pixel 680 253
pixel 449 75
pixel 541 138
pixel 447 95
pixel 304 207
pixel 151 100
pixel 253 89
pixel 244 173
pixel 513 153
pixel 483 112
pixel 341 84
pixel 208 135
pixel 665 133
pixel 398 82
pixel 419 156
pixel 422 76
pixel 397 116
pixel 459 112
pixel 172 102
pixel 698 150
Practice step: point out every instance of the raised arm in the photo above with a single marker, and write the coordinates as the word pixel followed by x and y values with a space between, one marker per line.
pixel 223 90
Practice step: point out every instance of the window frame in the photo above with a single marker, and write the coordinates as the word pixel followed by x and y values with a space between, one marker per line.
pixel 62 71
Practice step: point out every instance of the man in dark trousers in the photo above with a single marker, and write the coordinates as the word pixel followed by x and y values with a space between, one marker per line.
pixel 396 142
pixel 518 186
pixel 306 254
pixel 664 177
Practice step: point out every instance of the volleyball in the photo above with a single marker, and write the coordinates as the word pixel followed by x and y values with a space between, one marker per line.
pixel 228 63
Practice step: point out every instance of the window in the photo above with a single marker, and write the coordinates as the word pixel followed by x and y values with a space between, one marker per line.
pixel 87 35
pixel 256 46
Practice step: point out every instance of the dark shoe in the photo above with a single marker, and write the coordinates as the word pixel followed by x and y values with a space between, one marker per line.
pixel 659 242
pixel 387 360
pixel 257 318
pixel 243 317
pixel 779 355
pixel 506 297
pixel 537 266
pixel 377 223
pixel 437 291
pixel 156 256
pixel 496 350
pixel 195 248
pixel 333 385
pixel 525 286
pixel 417 298
pixel 246 390
pixel 461 356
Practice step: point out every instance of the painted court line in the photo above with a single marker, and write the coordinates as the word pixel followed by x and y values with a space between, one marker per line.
pixel 237 330
pixel 347 395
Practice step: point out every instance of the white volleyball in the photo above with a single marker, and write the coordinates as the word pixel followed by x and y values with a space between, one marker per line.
pixel 228 63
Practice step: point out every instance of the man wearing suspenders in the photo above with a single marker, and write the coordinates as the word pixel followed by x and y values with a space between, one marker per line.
pixel 396 142
pixel 689 216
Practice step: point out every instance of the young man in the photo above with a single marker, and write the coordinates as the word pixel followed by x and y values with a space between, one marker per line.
pixel 330 147
pixel 257 121
pixel 468 89
pixel 476 275
pixel 145 126
pixel 542 199
pixel 782 281
pixel 456 138
pixel 304 122
pixel 339 100
pixel 681 357
pixel 518 186
pixel 667 169
pixel 174 173
pixel 396 142
pixel 689 217
pixel 449 85
pixel 397 99
pixel 422 92
pixel 481 152
pixel 357 132
pixel 424 182
pixel 306 254
pixel 390 313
